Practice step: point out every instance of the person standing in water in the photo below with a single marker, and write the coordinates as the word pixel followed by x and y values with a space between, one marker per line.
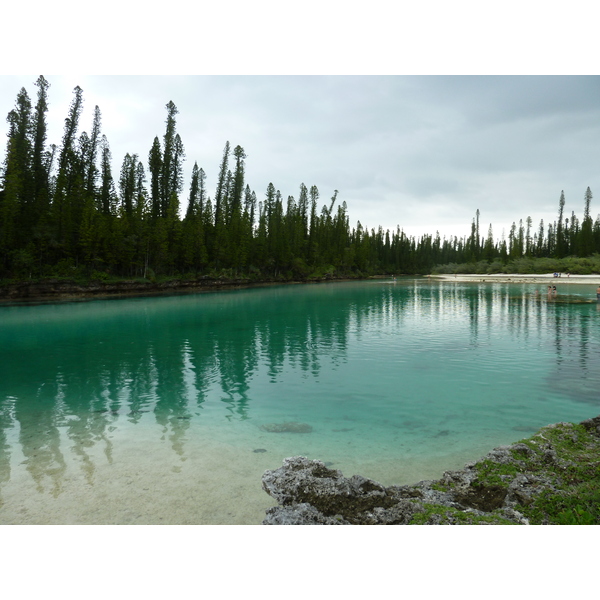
pixel 598 293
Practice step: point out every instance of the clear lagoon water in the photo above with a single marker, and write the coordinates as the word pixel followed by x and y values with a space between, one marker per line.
pixel 162 409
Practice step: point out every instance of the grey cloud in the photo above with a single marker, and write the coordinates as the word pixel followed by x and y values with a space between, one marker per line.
pixel 423 152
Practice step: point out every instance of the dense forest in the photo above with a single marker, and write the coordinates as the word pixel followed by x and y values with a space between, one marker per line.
pixel 63 213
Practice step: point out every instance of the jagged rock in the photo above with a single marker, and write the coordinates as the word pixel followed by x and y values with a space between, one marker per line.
pixel 356 500
pixel 300 514
pixel 495 489
pixel 523 449
pixel 500 455
pixel 311 494
pixel 513 515
pixel 592 425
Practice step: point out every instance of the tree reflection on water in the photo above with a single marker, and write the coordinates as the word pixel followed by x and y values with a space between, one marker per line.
pixel 80 371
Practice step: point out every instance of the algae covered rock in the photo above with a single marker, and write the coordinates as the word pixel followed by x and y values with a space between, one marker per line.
pixel 335 498
pixel 288 427
pixel 551 478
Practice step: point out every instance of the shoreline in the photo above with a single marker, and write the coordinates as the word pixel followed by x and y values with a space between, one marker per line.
pixel 539 278
pixel 548 478
pixel 52 290
pixel 56 290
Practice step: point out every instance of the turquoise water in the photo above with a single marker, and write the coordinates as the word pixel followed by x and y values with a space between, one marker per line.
pixel 158 410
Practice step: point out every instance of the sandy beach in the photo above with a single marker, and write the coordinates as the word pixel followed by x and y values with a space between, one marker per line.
pixel 540 278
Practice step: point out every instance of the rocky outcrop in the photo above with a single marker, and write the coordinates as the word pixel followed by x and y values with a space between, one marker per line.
pixel 310 493
pixel 535 480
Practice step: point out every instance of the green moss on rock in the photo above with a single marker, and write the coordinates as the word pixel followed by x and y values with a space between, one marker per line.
pixel 552 477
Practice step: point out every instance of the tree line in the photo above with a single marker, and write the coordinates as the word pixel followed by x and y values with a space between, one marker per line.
pixel 64 213
pixel 565 244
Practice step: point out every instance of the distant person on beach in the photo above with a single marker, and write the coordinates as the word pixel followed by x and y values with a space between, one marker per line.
pixel 549 290
pixel 554 290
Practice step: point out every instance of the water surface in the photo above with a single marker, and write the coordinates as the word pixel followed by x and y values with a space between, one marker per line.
pixel 162 410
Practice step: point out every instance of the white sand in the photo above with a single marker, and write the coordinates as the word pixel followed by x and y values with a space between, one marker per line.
pixel 547 278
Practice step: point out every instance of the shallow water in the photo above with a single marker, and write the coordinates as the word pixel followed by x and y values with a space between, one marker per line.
pixel 162 410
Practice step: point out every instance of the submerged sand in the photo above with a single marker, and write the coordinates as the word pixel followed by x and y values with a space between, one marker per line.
pixel 127 480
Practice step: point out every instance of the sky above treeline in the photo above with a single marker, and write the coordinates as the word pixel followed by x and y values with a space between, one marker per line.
pixel 419 152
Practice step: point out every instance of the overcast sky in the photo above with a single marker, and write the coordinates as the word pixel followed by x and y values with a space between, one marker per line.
pixel 421 152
